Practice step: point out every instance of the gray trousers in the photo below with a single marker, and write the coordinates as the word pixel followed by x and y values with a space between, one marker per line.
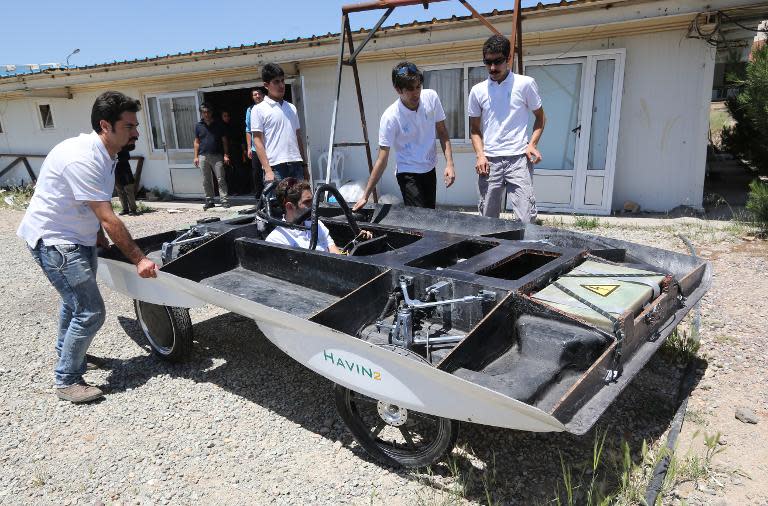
pixel 212 165
pixel 513 176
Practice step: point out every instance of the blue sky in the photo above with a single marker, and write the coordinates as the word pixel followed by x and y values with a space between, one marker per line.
pixel 45 31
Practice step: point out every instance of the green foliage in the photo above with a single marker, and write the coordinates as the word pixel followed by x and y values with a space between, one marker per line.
pixel 586 222
pixel 680 347
pixel 16 197
pixel 748 138
pixel 757 203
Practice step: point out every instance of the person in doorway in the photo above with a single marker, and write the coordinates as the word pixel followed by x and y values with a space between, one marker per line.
pixel 276 132
pixel 410 126
pixel 210 144
pixel 257 173
pixel 498 119
pixel 124 184
pixel 296 198
pixel 67 218
pixel 235 173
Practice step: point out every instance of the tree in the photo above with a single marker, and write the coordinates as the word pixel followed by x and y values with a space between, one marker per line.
pixel 748 137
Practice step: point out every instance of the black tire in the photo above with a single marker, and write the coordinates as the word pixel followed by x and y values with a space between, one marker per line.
pixel 408 439
pixel 167 329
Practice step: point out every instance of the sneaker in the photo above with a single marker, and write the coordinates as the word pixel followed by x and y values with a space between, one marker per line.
pixel 79 393
pixel 207 206
pixel 123 212
pixel 226 205
pixel 134 213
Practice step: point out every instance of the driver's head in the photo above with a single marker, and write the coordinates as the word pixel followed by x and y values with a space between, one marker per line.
pixel 295 196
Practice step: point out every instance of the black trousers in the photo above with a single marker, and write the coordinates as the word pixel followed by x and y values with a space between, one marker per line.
pixel 419 190
pixel 257 176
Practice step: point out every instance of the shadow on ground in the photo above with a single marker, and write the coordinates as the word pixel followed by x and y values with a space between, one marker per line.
pixel 516 467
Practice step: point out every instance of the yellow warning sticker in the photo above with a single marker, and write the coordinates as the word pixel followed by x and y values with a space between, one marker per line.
pixel 601 290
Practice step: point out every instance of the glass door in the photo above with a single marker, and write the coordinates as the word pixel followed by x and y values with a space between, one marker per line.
pixel 173 117
pixel 581 98
pixel 560 85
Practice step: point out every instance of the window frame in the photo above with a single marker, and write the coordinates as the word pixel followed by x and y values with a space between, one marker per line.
pixel 148 118
pixel 43 128
pixel 465 66
pixel 2 130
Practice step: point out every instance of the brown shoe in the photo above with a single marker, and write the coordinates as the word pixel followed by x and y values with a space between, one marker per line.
pixel 79 393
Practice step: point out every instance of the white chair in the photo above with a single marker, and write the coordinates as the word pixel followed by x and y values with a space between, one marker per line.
pixel 337 167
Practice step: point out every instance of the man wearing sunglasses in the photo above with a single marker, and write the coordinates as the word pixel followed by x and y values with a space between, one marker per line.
pixel 410 126
pixel 498 119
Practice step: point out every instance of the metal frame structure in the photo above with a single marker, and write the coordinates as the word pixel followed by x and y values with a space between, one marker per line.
pixel 345 36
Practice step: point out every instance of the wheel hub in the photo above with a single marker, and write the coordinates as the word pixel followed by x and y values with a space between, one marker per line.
pixel 392 414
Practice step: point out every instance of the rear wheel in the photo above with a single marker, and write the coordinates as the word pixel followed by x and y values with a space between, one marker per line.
pixel 392 434
pixel 167 329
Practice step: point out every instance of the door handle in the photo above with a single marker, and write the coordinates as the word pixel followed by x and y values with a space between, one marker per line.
pixel 576 130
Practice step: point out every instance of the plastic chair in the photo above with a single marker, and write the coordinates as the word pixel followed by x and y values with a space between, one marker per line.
pixel 337 166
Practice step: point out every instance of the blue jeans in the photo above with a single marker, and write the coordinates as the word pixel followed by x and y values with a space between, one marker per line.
pixel 288 169
pixel 71 269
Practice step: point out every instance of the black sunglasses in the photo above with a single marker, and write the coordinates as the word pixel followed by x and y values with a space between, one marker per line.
pixel 409 69
pixel 497 61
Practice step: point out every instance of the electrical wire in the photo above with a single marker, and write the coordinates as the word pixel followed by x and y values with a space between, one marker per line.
pixel 743 27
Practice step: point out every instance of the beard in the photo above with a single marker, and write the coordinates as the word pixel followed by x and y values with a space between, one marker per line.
pixel 130 146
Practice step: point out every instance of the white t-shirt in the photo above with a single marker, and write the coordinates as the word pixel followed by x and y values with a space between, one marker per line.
pixel 503 109
pixel 412 133
pixel 278 122
pixel 301 238
pixel 76 171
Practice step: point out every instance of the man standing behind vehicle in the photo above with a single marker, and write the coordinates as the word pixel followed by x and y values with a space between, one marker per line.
pixel 410 126
pixel 498 119
pixel 210 142
pixel 276 132
pixel 65 221
pixel 257 173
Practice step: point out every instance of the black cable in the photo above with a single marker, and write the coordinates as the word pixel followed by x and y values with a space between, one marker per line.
pixel 743 27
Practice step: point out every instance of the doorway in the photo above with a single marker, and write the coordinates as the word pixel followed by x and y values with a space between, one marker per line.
pixel 582 99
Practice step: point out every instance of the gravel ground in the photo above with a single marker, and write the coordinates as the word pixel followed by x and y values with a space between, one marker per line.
pixel 241 422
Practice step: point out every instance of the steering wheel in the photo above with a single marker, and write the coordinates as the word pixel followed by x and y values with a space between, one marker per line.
pixel 319 192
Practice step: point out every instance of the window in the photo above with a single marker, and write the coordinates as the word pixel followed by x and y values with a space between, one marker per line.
pixel 1 126
pixel 46 116
pixel 172 120
pixel 452 85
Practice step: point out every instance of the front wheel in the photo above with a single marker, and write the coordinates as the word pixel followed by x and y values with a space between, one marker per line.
pixel 167 329
pixel 392 434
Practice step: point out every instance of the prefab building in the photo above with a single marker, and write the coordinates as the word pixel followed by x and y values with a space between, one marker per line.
pixel 626 87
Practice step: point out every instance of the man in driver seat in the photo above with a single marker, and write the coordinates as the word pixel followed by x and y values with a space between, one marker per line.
pixel 296 198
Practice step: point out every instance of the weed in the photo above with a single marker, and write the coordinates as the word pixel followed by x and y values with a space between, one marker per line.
pixel 586 222
pixel 695 416
pixel 680 347
pixel 725 339
pixel 757 204
pixel 16 197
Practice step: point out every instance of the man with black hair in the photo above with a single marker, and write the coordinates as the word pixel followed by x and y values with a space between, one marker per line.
pixel 296 198
pixel 257 173
pixel 498 119
pixel 66 220
pixel 276 132
pixel 410 125
pixel 210 143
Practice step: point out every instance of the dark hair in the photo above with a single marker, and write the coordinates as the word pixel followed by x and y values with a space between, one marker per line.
pixel 109 106
pixel 406 75
pixel 290 190
pixel 271 71
pixel 205 106
pixel 497 44
pixel 260 89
